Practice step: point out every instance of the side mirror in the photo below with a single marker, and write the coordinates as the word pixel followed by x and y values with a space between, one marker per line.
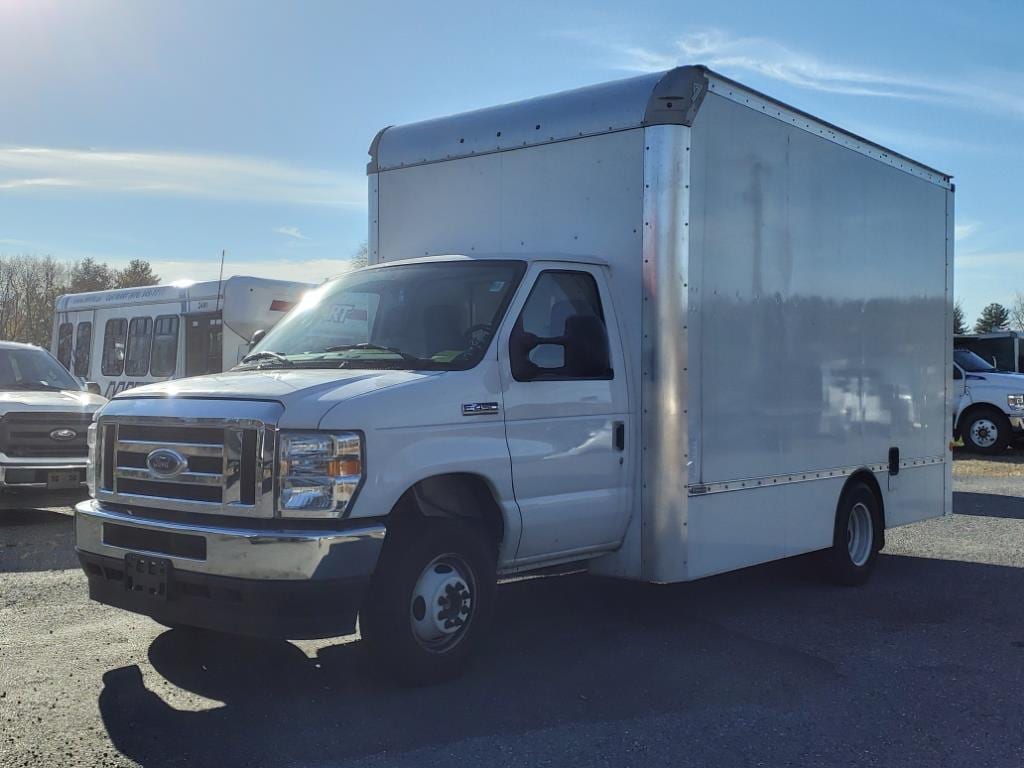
pixel 257 338
pixel 580 353
pixel 93 388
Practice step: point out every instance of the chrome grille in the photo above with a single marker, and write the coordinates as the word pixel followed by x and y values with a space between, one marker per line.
pixel 28 435
pixel 217 466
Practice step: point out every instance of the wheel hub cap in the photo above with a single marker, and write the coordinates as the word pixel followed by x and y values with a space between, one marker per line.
pixel 984 433
pixel 442 603
pixel 859 534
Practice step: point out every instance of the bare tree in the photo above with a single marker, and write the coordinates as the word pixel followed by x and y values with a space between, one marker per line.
pixel 29 286
pixel 361 257
pixel 1017 313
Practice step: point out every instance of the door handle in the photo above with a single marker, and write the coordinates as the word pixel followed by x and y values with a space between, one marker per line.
pixel 619 428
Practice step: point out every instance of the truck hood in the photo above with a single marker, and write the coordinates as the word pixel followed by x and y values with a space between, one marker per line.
pixel 1006 381
pixel 42 401
pixel 306 394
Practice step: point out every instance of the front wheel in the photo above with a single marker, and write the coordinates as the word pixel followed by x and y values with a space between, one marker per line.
pixel 857 538
pixel 430 600
pixel 986 431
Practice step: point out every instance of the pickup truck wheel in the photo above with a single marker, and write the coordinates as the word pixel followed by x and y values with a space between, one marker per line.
pixel 986 431
pixel 857 537
pixel 430 600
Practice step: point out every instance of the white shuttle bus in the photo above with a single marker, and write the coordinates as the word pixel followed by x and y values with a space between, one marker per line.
pixel 124 338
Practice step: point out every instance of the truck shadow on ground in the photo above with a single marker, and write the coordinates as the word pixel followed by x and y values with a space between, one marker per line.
pixel 989 505
pixel 564 649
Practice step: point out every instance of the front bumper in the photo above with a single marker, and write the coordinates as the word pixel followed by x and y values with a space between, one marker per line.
pixel 1017 423
pixel 278 583
pixel 32 474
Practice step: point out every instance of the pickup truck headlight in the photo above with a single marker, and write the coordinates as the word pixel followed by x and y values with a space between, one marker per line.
pixel 319 472
pixel 1015 402
pixel 90 468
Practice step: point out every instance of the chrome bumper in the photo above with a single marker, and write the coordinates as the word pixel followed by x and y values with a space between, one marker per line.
pixel 285 555
pixel 15 471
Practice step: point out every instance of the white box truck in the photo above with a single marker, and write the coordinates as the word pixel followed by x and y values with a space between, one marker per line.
pixel 128 337
pixel 667 327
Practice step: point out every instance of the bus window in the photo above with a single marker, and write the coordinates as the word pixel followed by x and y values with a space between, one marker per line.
pixel 114 333
pixel 203 345
pixel 64 344
pixel 83 348
pixel 165 346
pixel 140 341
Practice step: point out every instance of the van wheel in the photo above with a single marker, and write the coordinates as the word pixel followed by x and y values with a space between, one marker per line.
pixel 430 600
pixel 857 538
pixel 986 431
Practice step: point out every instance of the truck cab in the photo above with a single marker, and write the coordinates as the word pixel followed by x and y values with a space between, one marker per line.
pixel 988 404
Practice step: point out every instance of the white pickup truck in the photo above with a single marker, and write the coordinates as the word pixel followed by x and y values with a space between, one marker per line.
pixel 989 404
pixel 685 329
pixel 44 418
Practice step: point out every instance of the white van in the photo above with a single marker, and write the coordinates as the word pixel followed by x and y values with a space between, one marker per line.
pixel 665 327
pixel 124 338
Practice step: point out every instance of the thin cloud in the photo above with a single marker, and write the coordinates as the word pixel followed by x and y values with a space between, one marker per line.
pixel 774 60
pixel 302 270
pixel 965 229
pixel 293 232
pixel 204 176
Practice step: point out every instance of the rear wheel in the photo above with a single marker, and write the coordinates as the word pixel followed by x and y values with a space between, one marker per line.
pixel 858 536
pixel 430 600
pixel 986 431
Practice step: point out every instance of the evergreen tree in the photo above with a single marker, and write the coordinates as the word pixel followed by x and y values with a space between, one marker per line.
pixel 959 324
pixel 139 272
pixel 994 317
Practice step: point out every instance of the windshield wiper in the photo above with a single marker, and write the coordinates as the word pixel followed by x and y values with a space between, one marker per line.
pixel 268 355
pixel 374 348
pixel 40 385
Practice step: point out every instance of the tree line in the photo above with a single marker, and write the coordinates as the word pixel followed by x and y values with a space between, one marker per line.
pixel 30 285
pixel 994 317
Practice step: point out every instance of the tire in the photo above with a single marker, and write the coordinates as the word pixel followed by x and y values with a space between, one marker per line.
pixel 986 431
pixel 857 538
pixel 445 565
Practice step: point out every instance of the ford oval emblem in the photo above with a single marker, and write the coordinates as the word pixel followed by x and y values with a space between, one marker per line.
pixel 63 434
pixel 165 462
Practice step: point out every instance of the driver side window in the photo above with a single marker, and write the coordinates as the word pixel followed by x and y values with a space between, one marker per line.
pixel 956 373
pixel 560 333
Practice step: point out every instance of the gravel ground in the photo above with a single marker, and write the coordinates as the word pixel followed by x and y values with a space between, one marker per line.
pixel 768 666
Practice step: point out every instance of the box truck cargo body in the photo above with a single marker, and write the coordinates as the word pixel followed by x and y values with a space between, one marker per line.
pixel 783 290
pixel 667 327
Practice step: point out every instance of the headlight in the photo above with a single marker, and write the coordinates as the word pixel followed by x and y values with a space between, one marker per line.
pixel 90 469
pixel 319 472
pixel 1016 402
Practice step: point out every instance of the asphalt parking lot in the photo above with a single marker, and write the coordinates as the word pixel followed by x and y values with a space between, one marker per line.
pixel 768 666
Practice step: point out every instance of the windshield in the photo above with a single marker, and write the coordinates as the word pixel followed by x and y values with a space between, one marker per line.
pixel 970 362
pixel 436 316
pixel 33 369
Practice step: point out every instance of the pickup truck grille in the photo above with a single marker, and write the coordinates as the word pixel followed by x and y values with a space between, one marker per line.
pixel 30 435
pixel 223 468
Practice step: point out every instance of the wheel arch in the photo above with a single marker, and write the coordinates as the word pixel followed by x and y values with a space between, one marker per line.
pixel 964 416
pixel 867 477
pixel 453 495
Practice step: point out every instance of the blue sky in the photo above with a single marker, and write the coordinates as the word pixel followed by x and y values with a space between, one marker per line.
pixel 170 130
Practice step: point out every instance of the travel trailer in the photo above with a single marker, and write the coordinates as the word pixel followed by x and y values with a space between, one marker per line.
pixel 128 337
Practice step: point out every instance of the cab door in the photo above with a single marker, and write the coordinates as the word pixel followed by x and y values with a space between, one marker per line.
pixel 204 340
pixel 566 412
